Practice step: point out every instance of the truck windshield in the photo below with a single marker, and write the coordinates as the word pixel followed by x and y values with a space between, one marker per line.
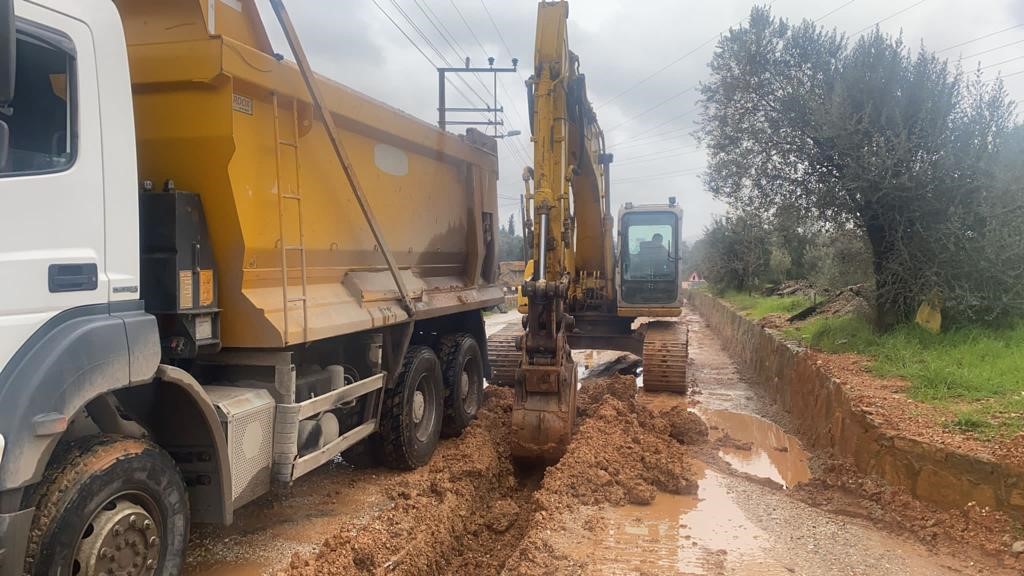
pixel 649 265
pixel 39 118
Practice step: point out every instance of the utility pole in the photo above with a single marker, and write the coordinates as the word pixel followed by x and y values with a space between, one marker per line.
pixel 443 109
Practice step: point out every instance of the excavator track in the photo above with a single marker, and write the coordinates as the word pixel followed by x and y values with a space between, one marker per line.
pixel 665 355
pixel 503 355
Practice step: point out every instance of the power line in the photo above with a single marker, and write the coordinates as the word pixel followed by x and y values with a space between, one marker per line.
pixel 407 37
pixel 889 17
pixel 515 152
pixel 833 11
pixel 651 109
pixel 452 43
pixel 426 39
pixel 666 151
pixel 662 69
pixel 517 149
pixel 992 49
pixel 472 33
pixel 424 7
pixel 468 27
pixel 441 28
pixel 1014 59
pixel 659 156
pixel 672 63
pixel 641 135
pixel 656 138
pixel 496 28
pixel 416 46
pixel 659 176
pixel 515 110
pixel 676 171
pixel 510 55
pixel 973 40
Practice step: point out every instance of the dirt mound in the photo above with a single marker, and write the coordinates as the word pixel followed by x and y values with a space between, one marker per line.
pixel 617 460
pixel 594 391
pixel 621 454
pixel 685 426
pixel 471 512
pixel 469 487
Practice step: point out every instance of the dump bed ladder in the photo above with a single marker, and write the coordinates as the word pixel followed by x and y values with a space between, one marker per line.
pixel 286 193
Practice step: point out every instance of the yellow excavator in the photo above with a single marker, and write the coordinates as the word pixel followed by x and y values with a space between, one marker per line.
pixel 585 286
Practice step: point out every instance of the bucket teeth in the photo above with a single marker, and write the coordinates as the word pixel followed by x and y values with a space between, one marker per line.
pixel 665 356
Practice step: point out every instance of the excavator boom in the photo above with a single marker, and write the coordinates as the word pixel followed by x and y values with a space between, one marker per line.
pixel 544 409
pixel 572 295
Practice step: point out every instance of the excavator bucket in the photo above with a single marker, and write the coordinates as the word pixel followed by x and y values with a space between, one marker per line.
pixel 544 412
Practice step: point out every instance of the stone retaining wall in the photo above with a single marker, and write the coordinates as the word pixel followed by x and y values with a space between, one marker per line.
pixel 826 419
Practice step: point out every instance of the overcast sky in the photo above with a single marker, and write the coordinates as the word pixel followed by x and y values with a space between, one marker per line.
pixel 642 61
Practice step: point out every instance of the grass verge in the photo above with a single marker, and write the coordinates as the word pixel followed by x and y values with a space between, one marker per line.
pixel 756 307
pixel 977 372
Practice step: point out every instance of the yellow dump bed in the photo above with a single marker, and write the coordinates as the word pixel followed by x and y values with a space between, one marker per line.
pixel 216 112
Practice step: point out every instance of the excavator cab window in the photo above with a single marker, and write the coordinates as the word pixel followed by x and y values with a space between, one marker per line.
pixel 649 258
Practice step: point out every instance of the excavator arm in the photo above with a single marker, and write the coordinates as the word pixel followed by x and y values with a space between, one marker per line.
pixel 575 296
pixel 569 190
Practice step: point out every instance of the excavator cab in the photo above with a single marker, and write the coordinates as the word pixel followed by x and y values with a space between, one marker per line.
pixel 649 257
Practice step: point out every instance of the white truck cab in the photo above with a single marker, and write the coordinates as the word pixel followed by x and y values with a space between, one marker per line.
pixel 124 416
pixel 71 322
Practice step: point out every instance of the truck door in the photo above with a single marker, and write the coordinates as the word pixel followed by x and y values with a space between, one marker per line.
pixel 51 183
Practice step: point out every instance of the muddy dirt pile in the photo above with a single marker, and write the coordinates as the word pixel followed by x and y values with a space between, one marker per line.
pixel 469 487
pixel 594 391
pixel 685 426
pixel 470 511
pixel 622 453
pixel 617 459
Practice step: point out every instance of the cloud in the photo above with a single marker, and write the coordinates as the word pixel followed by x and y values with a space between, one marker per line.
pixel 620 43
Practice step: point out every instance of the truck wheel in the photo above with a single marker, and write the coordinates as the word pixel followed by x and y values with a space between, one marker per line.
pixel 412 412
pixel 463 370
pixel 110 505
pixel 363 455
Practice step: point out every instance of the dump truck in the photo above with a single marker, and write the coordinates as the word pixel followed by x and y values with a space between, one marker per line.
pixel 582 288
pixel 220 271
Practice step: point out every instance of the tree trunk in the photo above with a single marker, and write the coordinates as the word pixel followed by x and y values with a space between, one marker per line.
pixel 894 292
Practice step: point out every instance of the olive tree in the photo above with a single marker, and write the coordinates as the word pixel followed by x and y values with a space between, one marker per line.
pixel 860 134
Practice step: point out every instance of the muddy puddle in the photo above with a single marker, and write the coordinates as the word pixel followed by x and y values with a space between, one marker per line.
pixel 704 532
pixel 708 532
pixel 682 534
pixel 757 446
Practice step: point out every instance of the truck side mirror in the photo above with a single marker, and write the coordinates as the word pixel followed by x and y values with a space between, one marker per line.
pixel 8 58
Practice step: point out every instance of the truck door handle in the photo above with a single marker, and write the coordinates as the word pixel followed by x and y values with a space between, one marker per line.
pixel 73 277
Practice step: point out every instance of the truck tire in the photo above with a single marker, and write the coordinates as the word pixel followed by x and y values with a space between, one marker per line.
pixel 363 455
pixel 413 409
pixel 463 369
pixel 109 504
